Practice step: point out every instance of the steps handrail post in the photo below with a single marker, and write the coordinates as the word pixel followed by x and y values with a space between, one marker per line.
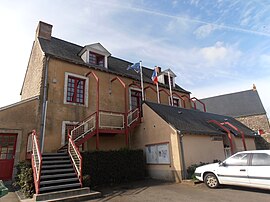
pixel 36 168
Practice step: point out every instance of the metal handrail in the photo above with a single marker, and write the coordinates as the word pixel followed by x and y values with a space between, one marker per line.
pixel 36 160
pixel 130 116
pixel 85 122
pixel 74 152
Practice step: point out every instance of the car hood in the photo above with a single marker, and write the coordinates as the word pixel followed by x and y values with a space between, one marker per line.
pixel 208 167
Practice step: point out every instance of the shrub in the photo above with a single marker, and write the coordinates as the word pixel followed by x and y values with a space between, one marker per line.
pixel 24 179
pixel 191 169
pixel 112 167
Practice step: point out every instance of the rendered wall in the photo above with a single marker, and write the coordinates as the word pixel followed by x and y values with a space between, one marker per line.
pixel 201 148
pixel 154 130
pixel 250 144
pixel 111 99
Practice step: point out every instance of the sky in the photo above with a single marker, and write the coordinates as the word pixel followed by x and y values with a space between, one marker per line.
pixel 214 47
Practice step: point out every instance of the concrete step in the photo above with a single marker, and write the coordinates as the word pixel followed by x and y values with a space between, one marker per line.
pixel 54 154
pixel 55 162
pixel 59 181
pixel 65 195
pixel 58 176
pixel 57 166
pixel 48 158
pixel 59 187
pixel 78 198
pixel 54 171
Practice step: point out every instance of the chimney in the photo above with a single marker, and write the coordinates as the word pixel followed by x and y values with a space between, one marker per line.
pixel 44 30
pixel 254 87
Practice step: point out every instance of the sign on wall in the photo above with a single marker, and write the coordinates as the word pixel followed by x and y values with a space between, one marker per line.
pixel 157 154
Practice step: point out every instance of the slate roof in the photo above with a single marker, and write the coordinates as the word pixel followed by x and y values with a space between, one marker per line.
pixel 68 51
pixel 245 103
pixel 194 121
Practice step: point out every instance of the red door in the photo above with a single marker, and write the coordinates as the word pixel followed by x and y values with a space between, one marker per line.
pixel 7 154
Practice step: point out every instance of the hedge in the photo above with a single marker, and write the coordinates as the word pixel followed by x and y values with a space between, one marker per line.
pixel 112 167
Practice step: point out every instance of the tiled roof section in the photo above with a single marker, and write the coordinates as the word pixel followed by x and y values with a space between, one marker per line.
pixel 194 121
pixel 69 51
pixel 245 103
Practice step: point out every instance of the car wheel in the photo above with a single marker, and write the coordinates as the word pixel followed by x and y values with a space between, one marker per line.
pixel 211 180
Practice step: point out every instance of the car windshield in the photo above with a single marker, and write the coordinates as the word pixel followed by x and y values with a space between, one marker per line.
pixel 237 160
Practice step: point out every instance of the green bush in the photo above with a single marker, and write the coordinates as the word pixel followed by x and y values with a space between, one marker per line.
pixel 24 179
pixel 112 167
pixel 191 169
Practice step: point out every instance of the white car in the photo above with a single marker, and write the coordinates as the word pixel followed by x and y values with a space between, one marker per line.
pixel 247 168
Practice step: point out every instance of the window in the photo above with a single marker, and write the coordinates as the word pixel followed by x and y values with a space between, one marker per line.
pixel 136 99
pixel 166 80
pixel 68 128
pixel 261 159
pixel 96 59
pixel 75 90
pixel 237 160
pixel 176 102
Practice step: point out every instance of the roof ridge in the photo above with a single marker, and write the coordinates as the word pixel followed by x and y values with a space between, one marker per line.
pixel 228 94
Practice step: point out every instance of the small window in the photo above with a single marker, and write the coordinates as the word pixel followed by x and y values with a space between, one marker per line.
pixel 68 128
pixel 261 159
pixel 96 59
pixel 176 102
pixel 237 160
pixel 166 80
pixel 75 90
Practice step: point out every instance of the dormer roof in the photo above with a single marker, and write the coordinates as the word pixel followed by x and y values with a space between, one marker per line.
pixel 96 48
pixel 166 72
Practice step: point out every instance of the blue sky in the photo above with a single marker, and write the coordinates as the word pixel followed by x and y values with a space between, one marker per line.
pixel 214 46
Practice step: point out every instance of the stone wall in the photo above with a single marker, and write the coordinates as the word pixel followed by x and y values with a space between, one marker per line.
pixel 255 123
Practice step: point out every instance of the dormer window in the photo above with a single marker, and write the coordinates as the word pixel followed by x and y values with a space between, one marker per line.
pixel 163 77
pixel 96 59
pixel 95 54
pixel 166 80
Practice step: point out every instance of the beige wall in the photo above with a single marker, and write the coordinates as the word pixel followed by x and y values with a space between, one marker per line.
pixel 20 119
pixel 250 144
pixel 155 130
pixel 111 99
pixel 33 76
pixel 201 148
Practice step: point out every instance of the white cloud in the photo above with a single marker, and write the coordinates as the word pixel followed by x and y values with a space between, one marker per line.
pixel 204 30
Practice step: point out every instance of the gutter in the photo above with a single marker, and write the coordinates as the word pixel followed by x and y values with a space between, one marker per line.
pixel 182 155
pixel 44 106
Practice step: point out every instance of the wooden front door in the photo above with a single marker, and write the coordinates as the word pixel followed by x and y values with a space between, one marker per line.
pixel 7 155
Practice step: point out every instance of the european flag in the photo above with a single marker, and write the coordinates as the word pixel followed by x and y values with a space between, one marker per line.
pixel 135 67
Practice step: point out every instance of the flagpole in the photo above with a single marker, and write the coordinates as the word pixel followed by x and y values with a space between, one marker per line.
pixel 142 80
pixel 170 85
pixel 158 99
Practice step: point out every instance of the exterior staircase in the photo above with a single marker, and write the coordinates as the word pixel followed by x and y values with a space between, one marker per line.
pixel 57 173
pixel 58 176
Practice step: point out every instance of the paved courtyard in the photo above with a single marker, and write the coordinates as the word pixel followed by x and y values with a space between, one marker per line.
pixel 158 191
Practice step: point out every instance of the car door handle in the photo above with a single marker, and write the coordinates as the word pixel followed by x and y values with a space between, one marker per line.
pixel 243 170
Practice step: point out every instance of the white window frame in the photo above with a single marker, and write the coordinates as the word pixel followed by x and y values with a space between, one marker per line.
pixel 85 89
pixel 174 97
pixel 129 90
pixel 64 123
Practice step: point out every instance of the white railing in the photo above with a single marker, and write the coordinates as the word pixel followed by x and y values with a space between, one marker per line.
pixel 133 116
pixel 84 128
pixel 111 120
pixel 36 160
pixel 76 158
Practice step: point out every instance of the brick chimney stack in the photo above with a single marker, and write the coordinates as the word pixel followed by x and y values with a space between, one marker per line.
pixel 254 87
pixel 44 30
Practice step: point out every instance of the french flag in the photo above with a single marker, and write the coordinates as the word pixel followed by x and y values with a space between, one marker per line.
pixel 155 75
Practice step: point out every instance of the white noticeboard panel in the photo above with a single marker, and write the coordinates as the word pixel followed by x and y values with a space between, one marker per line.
pixel 157 154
